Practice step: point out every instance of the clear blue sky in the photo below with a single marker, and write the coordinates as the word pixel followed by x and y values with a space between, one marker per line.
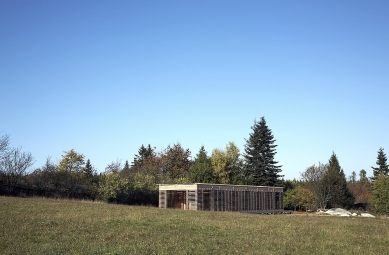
pixel 105 77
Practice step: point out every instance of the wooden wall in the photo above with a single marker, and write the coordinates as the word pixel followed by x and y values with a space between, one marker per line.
pixel 217 197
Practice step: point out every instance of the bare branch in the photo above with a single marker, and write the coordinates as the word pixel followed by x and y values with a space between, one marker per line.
pixel 114 167
pixel 4 146
pixel 16 162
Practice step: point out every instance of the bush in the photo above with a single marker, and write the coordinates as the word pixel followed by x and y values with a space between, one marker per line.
pixel 379 202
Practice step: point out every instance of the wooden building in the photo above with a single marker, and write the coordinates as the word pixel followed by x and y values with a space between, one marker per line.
pixel 222 197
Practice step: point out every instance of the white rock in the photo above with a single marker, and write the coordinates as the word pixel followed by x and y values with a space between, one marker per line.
pixel 367 215
pixel 338 211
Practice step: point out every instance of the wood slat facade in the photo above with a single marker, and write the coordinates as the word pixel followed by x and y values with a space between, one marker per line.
pixel 222 197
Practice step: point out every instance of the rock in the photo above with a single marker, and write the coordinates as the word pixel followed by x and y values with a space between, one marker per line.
pixel 338 211
pixel 367 215
pixel 343 213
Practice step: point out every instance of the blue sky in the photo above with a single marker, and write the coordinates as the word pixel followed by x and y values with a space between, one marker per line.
pixel 105 77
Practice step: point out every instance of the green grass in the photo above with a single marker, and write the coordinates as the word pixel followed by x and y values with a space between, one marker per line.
pixel 49 226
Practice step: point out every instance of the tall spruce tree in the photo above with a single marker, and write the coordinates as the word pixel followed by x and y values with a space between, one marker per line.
pixel 336 185
pixel 383 167
pixel 259 164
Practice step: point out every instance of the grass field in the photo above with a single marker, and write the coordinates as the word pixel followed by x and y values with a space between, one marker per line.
pixel 49 226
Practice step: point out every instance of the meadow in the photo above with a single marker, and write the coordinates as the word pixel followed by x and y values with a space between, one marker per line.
pixel 50 226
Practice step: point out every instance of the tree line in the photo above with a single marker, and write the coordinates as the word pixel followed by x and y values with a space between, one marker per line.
pixel 326 186
pixel 320 186
pixel 137 182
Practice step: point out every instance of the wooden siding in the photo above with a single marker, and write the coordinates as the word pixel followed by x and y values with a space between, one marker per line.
pixel 221 197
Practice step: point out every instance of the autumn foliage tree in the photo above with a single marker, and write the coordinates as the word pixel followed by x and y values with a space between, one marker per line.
pixel 361 189
pixel 176 162
pixel 74 179
pixel 226 164
pixel 234 164
pixel 72 162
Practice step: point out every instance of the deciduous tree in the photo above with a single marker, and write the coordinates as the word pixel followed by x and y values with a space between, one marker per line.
pixel 361 191
pixel 219 164
pixel 300 197
pixel 176 161
pixel 4 146
pixel 71 162
pixel 13 169
pixel 312 179
pixel 114 189
pixel 113 167
pixel 234 164
pixel 227 165
pixel 14 164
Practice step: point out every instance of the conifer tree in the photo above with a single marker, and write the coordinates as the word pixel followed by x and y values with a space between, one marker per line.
pixel 379 201
pixel 260 166
pixel 353 177
pixel 128 171
pixel 336 185
pixel 143 154
pixel 201 169
pixel 126 166
pixel 362 176
pixel 88 169
pixel 383 167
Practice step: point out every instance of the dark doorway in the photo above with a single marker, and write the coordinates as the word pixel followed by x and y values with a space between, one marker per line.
pixel 176 199
pixel 206 200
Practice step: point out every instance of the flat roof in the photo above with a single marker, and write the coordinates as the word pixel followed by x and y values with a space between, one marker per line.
pixel 195 186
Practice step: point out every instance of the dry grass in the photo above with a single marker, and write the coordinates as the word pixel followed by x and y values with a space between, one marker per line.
pixel 48 226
